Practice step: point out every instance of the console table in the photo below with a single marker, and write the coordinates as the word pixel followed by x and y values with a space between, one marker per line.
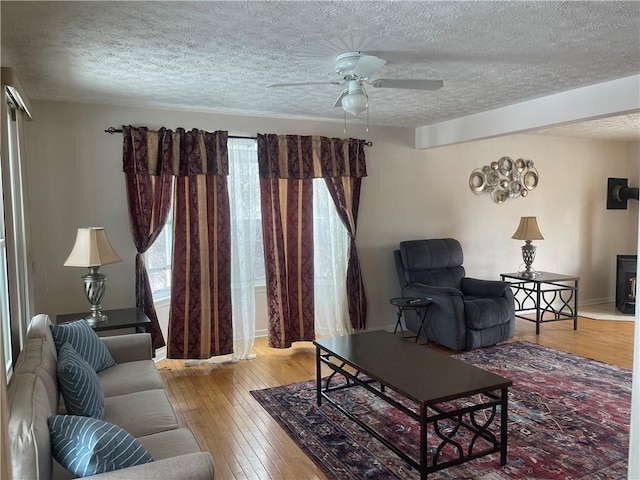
pixel 116 319
pixel 545 292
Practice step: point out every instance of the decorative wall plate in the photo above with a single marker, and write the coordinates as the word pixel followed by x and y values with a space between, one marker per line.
pixel 530 180
pixel 477 181
pixel 504 179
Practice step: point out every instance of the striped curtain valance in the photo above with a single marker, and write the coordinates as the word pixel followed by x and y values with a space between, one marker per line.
pixel 302 157
pixel 179 153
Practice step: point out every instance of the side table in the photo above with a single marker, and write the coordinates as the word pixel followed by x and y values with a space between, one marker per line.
pixel 545 292
pixel 417 304
pixel 116 319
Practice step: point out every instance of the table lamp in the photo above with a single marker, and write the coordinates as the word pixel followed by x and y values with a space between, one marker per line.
pixel 528 230
pixel 92 250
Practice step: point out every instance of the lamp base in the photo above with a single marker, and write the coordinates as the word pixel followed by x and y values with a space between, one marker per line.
pixel 95 320
pixel 528 255
pixel 94 288
pixel 528 274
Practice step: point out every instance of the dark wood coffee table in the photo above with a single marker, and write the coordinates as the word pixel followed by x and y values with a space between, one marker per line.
pixel 379 361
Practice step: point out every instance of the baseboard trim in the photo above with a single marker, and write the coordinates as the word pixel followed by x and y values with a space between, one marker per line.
pixel 596 301
pixel 161 354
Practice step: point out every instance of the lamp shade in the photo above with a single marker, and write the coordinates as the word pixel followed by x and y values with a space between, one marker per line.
pixel 528 230
pixel 92 249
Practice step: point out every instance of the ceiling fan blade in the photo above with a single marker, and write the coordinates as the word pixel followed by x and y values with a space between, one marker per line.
pixel 409 84
pixel 339 100
pixel 368 65
pixel 278 85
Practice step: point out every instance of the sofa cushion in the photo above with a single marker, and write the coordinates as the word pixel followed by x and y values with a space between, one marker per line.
pixel 130 377
pixel 79 384
pixel 88 446
pixel 85 341
pixel 171 443
pixel 141 413
pixel 193 466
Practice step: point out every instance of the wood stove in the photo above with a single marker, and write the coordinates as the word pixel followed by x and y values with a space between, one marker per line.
pixel 626 283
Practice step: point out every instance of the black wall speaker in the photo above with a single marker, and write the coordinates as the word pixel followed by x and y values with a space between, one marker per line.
pixel 618 193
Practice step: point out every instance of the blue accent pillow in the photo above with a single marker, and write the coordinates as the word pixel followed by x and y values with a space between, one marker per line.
pixel 79 384
pixel 87 446
pixel 84 341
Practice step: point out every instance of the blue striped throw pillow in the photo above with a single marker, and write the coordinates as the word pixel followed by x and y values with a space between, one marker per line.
pixel 84 341
pixel 79 384
pixel 87 446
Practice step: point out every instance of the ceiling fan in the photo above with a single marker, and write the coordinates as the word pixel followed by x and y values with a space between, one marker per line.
pixel 356 69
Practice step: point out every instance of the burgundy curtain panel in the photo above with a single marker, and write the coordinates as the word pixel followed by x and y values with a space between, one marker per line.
pixel 287 225
pixel 200 323
pixel 149 200
pixel 287 165
pixel 345 192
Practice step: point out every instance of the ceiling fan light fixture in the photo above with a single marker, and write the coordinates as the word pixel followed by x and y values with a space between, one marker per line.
pixel 355 103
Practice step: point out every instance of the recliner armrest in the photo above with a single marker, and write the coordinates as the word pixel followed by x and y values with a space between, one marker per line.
pixel 483 288
pixel 422 290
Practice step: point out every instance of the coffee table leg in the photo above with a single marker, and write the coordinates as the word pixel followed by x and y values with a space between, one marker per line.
pixel 504 417
pixel 318 378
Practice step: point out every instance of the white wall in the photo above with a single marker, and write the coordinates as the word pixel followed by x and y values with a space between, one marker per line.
pixel 421 194
pixel 75 180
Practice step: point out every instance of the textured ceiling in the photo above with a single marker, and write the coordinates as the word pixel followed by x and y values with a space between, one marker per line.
pixel 220 56
pixel 621 128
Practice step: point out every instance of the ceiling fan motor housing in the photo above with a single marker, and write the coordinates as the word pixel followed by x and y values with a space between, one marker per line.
pixel 346 63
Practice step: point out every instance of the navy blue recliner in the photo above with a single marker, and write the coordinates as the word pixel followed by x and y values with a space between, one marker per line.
pixel 466 313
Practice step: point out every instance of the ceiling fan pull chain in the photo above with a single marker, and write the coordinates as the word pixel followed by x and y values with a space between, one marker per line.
pixel 367 128
pixel 345 121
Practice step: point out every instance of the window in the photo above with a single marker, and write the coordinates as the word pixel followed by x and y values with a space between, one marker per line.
pixel 244 181
pixel 16 298
pixel 243 160
pixel 158 262
pixel 331 238
pixel 4 297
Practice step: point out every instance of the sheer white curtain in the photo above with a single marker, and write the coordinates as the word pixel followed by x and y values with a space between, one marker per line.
pixel 331 245
pixel 246 239
pixel 244 197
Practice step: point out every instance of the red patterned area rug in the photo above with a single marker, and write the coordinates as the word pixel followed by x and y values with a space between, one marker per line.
pixel 568 419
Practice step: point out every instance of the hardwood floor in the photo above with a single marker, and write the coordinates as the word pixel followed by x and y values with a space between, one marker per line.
pixel 246 443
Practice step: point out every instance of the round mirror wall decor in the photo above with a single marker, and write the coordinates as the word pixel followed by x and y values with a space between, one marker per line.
pixel 504 179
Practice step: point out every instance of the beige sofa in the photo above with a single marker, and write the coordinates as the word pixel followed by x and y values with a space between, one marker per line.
pixel 134 400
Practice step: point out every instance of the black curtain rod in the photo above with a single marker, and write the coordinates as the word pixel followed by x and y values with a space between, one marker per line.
pixel 112 130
